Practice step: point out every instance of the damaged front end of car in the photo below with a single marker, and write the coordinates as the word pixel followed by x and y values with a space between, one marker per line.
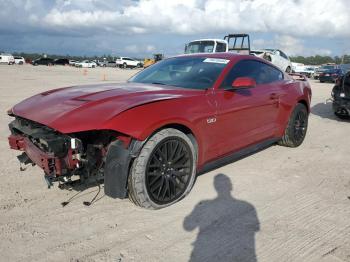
pixel 75 158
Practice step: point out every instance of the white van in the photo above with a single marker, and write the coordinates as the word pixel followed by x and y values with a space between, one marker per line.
pixel 7 59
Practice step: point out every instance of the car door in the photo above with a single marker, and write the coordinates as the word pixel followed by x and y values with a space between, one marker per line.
pixel 248 116
pixel 277 59
pixel 133 62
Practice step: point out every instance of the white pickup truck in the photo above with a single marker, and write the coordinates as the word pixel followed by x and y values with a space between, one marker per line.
pixel 239 43
pixel 7 59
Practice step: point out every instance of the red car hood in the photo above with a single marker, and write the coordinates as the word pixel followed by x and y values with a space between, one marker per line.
pixel 80 108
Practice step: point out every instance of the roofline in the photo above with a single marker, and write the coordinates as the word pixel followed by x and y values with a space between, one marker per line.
pixel 210 39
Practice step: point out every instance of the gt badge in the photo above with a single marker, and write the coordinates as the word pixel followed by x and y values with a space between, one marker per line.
pixel 211 120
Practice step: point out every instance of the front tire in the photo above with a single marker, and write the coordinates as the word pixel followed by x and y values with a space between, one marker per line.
pixel 125 65
pixel 295 132
pixel 288 70
pixel 164 171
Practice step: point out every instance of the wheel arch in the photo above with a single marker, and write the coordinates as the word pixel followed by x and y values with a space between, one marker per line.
pixel 121 159
pixel 303 101
pixel 184 129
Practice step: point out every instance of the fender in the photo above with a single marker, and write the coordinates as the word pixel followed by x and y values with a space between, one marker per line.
pixel 141 122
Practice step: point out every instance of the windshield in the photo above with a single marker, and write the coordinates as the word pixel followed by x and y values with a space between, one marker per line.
pixel 200 47
pixel 329 67
pixel 186 72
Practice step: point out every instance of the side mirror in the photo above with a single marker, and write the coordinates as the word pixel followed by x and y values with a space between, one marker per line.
pixel 243 82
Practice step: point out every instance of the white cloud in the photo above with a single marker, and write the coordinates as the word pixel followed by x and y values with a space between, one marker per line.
pixel 140 48
pixel 284 24
pixel 289 44
pixel 291 17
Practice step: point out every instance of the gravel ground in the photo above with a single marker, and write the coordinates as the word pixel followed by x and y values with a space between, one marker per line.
pixel 279 204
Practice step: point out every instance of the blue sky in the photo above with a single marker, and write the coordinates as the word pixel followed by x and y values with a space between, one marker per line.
pixel 141 28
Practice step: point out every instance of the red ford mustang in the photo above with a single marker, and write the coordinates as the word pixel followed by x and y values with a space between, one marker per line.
pixel 148 138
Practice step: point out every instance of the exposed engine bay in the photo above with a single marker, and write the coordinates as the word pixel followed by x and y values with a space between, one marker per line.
pixel 64 158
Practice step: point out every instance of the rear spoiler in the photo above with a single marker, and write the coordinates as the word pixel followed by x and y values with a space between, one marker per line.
pixel 298 77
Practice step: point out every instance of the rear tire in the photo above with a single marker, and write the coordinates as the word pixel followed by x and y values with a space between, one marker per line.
pixel 295 132
pixel 164 171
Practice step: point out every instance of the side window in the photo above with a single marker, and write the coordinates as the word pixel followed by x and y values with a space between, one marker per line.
pixel 260 72
pixel 283 55
pixel 220 47
pixel 272 73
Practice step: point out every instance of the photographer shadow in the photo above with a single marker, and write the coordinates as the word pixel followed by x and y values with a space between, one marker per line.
pixel 227 226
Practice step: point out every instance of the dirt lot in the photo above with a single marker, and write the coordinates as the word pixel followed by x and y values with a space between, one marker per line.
pixel 285 204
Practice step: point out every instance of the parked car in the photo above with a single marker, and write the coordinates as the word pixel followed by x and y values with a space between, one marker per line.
pixel 276 57
pixel 72 62
pixel 111 64
pixel 7 59
pixel 341 97
pixel 317 73
pixel 330 73
pixel 306 70
pixel 102 63
pixel 86 64
pixel 43 61
pixel 149 137
pixel 126 62
pixel 19 60
pixel 61 61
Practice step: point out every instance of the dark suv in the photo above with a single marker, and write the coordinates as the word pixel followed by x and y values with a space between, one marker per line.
pixel 43 61
pixel 62 61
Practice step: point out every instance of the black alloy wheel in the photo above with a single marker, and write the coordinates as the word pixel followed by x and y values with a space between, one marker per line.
pixel 169 170
pixel 296 129
pixel 164 171
pixel 300 126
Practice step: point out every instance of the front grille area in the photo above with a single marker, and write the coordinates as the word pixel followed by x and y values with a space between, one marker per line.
pixel 45 138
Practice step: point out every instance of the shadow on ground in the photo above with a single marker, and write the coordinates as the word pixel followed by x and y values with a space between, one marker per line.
pixel 227 226
pixel 325 111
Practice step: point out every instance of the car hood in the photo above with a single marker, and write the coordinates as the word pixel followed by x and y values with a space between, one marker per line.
pixel 81 108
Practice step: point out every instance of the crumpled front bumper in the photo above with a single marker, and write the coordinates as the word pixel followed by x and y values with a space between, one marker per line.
pixel 52 165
